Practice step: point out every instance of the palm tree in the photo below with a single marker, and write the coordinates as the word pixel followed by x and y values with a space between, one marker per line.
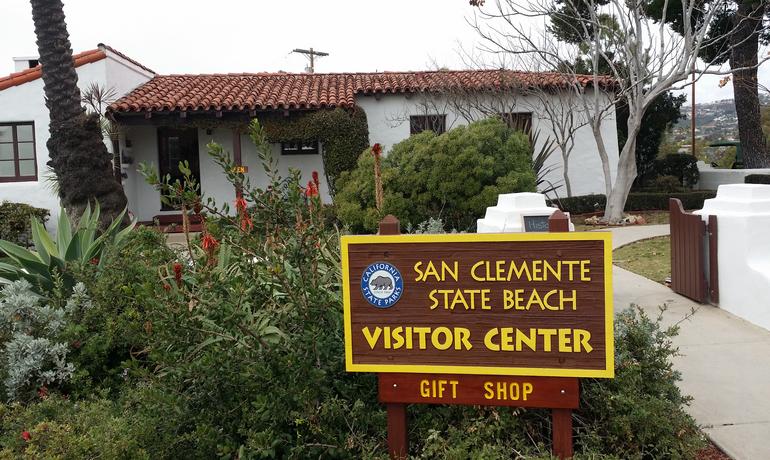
pixel 76 147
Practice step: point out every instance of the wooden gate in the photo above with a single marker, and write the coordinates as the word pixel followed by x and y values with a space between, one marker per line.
pixel 693 254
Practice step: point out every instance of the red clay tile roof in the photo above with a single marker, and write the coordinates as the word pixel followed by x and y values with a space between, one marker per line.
pixel 86 57
pixel 34 73
pixel 270 91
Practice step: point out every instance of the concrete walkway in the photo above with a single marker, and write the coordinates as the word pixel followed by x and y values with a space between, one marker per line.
pixel 725 362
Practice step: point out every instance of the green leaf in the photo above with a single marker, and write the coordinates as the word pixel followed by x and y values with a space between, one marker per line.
pixel 18 253
pixel 44 244
pixel 63 232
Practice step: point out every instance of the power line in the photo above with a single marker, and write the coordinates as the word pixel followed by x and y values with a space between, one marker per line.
pixel 311 54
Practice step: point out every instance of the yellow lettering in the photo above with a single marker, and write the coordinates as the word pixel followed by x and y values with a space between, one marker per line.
pixel 419 272
pixel 506 339
pixel 537 270
pixel 446 270
pixel 581 340
pixel 424 388
pixel 527 390
pixel 564 340
pixel 585 270
pixel 432 296
pixel 436 341
pixel 547 337
pixel 372 339
pixel 454 388
pixel 564 299
pixel 546 298
pixel 488 390
pixel 398 337
pixel 528 340
pixel 422 332
pixel 556 272
pixel 462 336
pixel 488 337
pixel 473 271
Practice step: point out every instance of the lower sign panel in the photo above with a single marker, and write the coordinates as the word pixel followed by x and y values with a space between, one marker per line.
pixel 481 390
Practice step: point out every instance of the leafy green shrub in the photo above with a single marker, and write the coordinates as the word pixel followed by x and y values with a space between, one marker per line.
pixel 757 179
pixel 344 135
pixel 667 184
pixel 639 413
pixel 453 176
pixel 637 201
pixel 32 354
pixel 682 166
pixel 14 222
pixel 78 244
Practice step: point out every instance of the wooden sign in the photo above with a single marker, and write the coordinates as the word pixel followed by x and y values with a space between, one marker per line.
pixel 533 304
pixel 479 390
pixel 535 223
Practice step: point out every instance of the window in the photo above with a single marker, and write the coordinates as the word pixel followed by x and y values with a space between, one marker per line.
pixel 520 121
pixel 420 123
pixel 176 145
pixel 17 152
pixel 299 148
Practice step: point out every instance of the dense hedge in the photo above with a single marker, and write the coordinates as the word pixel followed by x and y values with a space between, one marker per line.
pixel 682 166
pixel 757 179
pixel 14 221
pixel 344 135
pixel 453 176
pixel 637 201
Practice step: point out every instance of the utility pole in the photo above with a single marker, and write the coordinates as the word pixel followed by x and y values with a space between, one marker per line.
pixel 311 54
pixel 692 112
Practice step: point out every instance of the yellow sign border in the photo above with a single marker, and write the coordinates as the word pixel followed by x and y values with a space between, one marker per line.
pixel 605 237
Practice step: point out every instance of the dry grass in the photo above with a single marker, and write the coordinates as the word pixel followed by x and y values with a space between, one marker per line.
pixel 650 258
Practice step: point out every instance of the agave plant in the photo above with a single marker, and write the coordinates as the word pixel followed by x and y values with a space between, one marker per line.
pixel 80 244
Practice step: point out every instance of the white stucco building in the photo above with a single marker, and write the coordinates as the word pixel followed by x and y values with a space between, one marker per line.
pixel 168 118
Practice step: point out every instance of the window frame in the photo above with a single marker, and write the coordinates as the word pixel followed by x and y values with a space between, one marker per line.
pixel 314 151
pixel 428 119
pixel 17 177
pixel 512 118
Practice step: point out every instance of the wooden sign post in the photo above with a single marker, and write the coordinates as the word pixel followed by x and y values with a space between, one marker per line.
pixel 480 319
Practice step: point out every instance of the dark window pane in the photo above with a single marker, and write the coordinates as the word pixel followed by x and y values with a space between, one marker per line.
pixel 420 123
pixel 299 148
pixel 520 121
pixel 24 133
pixel 6 133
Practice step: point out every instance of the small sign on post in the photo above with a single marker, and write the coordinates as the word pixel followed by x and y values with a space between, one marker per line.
pixel 485 319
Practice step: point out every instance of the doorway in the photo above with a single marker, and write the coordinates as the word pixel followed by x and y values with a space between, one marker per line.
pixel 176 145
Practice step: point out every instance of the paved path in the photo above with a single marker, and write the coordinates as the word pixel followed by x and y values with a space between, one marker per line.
pixel 725 362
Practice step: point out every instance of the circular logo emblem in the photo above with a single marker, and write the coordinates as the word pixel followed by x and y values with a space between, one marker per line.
pixel 381 284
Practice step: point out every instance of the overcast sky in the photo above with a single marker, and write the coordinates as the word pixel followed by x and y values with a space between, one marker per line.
pixel 195 36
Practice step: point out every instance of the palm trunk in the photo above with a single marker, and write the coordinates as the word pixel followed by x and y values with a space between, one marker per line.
pixel 76 147
pixel 745 42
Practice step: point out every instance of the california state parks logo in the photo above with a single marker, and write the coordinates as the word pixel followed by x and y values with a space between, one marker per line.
pixel 381 284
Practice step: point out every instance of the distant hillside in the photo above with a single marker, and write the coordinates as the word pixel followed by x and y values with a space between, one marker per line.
pixel 713 120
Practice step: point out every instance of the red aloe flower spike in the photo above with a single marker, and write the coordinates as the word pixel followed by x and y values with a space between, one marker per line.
pixel 208 242
pixel 178 273
pixel 246 223
pixel 315 180
pixel 240 205
pixel 311 190
pixel 26 436
pixel 377 149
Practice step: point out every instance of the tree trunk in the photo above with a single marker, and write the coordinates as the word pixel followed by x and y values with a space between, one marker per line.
pixel 616 199
pixel 76 148
pixel 565 159
pixel 596 128
pixel 744 41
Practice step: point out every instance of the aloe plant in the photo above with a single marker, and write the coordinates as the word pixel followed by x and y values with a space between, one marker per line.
pixel 79 244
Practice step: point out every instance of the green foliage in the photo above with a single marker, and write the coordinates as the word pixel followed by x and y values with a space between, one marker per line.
pixel 233 348
pixel 757 179
pixel 667 184
pixel 14 222
pixel 454 176
pixel 637 201
pixel 32 353
pixel 344 135
pixel 682 166
pixel 659 117
pixel 638 414
pixel 74 244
